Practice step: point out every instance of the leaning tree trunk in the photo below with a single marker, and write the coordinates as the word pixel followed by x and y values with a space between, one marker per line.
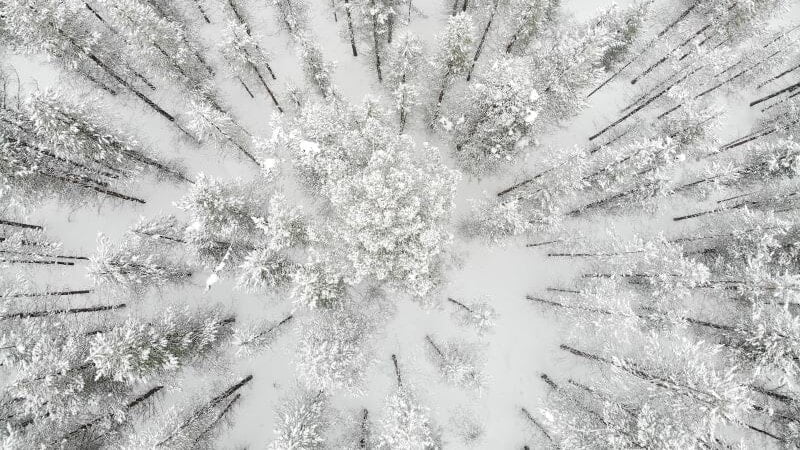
pixel 51 312
pixel 350 27
pixel 482 41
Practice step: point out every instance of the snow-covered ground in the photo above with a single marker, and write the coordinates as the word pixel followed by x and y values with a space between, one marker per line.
pixel 525 339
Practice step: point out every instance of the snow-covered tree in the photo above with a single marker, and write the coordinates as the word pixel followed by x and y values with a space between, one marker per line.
pixel 334 351
pixel 221 219
pixel 302 422
pixel 454 57
pixel 136 265
pixel 499 117
pixel 245 57
pixel 208 121
pixel 402 63
pixel 480 315
pixel 154 41
pixel 193 426
pixel 406 424
pixel 137 350
pixel 388 209
pixel 525 21
pixel 318 71
pixel 292 15
pixel 458 362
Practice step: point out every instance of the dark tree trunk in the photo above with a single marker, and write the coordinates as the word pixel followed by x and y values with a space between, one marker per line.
pixel 48 294
pixel 11 223
pixel 459 304
pixel 269 91
pixel 202 11
pixel 397 371
pixel 538 425
pixel 33 314
pixel 775 94
pixel 208 406
pixel 363 440
pixel 482 40
pixel 634 111
pixel 350 27
pixel 216 420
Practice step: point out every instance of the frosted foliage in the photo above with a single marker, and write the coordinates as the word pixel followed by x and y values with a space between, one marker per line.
pixel 135 265
pixel 217 208
pixel 479 315
pixel 264 269
pixel 459 363
pixel 285 227
pixel 407 425
pixel 502 109
pixel 772 338
pixel 137 350
pixel 318 284
pixel 208 122
pixel 333 353
pixel 301 422
pixel 456 44
pixel 390 210
pixel 239 49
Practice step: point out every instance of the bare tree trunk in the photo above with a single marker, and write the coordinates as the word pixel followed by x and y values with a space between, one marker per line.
pixel 397 371
pixel 538 425
pixel 350 27
pixel 33 314
pixel 363 440
pixel 206 408
pixel 269 91
pixel 202 11
pixel 459 304
pixel 11 223
pixel 634 111
pixel 482 41
pixel 48 294
pixel 775 94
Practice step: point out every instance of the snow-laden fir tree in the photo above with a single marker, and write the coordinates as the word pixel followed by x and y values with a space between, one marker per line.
pixel 193 424
pixel 245 58
pixel 302 421
pixel 387 209
pixel 292 15
pixel 138 350
pixel 402 63
pixel 317 70
pixel 221 228
pixel 453 60
pixel 334 351
pixel 525 20
pixel 479 315
pixel 458 362
pixel 406 424
pixel 156 43
pixel 137 265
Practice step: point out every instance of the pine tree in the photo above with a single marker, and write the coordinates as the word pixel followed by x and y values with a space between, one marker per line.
pixel 333 149
pixel 403 59
pixel 302 422
pixel 457 362
pixel 406 424
pixel 136 351
pixel 525 21
pixel 453 58
pixel 334 351
pixel 136 265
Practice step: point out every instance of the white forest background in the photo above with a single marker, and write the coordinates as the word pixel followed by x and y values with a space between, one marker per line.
pixel 525 340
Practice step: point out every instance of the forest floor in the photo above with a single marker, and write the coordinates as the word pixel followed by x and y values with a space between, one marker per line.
pixel 525 340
